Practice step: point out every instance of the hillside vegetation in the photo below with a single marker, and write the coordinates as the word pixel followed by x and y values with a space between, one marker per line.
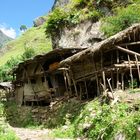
pixel 34 37
pixel 98 119
pixel 30 43
pixel 115 15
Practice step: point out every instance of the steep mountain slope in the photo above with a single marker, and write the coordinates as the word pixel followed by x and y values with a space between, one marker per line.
pixel 33 38
pixel 78 23
pixel 3 39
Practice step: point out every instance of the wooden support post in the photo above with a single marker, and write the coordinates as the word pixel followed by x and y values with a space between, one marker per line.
pixel 65 80
pixel 103 72
pixel 112 77
pixel 110 87
pixel 122 78
pixel 137 66
pixel 85 79
pixel 104 80
pixel 74 83
pixel 131 74
pixel 97 80
pixel 98 88
pixel 117 70
pixel 80 91
pixel 86 89
pixel 134 35
pixel 110 84
pixel 68 82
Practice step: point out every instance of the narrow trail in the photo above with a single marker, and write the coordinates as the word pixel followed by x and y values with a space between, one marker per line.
pixel 32 134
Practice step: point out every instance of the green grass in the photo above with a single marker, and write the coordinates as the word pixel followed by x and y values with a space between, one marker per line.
pixel 16 118
pixel 96 121
pixel 34 37
pixel 123 18
pixel 5 132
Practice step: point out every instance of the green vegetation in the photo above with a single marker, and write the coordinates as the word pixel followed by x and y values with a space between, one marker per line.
pixel 123 18
pixel 78 11
pixel 6 70
pixel 75 119
pixel 96 121
pixel 17 118
pixel 5 132
pixel 33 38
pixel 30 43
pixel 23 28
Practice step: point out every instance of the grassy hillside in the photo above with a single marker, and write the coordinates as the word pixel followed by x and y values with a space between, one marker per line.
pixel 33 37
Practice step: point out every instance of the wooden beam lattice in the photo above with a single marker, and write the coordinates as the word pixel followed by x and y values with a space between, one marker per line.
pixel 127 51
pixel 130 44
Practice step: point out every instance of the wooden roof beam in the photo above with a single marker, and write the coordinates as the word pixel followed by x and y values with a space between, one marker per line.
pixel 131 43
pixel 127 51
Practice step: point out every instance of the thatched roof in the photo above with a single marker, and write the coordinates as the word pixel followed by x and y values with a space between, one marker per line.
pixel 50 57
pixel 128 35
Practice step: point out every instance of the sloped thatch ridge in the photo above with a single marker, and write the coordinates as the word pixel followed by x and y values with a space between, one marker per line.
pixel 106 44
pixel 48 57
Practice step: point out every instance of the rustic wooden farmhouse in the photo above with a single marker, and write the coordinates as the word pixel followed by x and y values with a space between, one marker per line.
pixel 38 80
pixel 111 64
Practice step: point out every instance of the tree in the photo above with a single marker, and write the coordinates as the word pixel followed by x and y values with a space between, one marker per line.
pixel 23 28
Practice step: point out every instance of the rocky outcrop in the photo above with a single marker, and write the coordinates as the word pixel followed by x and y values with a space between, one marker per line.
pixel 60 3
pixel 39 21
pixel 82 35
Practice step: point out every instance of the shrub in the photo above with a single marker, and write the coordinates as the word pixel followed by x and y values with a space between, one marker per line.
pixel 28 53
pixel 56 19
pixel 78 11
pixel 5 132
pixel 6 70
pixel 123 18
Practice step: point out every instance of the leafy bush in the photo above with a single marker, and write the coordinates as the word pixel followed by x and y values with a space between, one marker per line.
pixel 6 70
pixel 123 18
pixel 79 11
pixel 56 20
pixel 97 121
pixel 5 132
pixel 29 53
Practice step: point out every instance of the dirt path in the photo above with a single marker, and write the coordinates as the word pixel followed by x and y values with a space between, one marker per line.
pixel 31 134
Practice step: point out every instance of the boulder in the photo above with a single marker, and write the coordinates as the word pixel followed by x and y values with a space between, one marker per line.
pixel 39 21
